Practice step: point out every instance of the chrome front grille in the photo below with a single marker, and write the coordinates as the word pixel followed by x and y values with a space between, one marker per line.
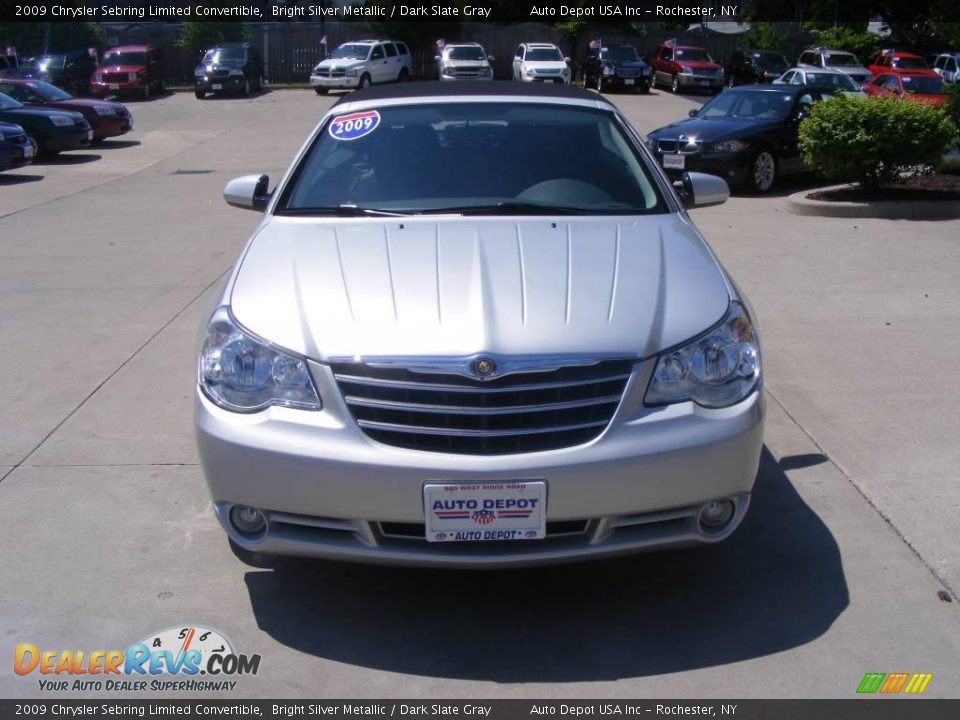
pixel 452 413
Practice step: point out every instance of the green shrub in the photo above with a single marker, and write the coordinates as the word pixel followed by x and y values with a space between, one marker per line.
pixel 952 108
pixel 873 141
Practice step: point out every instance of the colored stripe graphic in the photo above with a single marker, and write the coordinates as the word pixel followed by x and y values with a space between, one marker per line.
pixel 894 682
pixel 918 682
pixel 871 682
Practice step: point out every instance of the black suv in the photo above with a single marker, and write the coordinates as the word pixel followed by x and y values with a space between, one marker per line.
pixel 69 71
pixel 618 66
pixel 231 67
pixel 754 66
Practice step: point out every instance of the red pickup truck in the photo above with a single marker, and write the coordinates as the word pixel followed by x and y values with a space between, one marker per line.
pixel 682 67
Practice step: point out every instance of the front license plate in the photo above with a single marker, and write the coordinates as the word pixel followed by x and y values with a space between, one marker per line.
pixel 114 86
pixel 674 162
pixel 485 512
pixel 217 86
pixel 628 81
pixel 705 83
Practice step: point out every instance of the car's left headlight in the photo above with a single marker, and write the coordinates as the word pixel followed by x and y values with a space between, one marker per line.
pixel 531 72
pixel 132 77
pixel 728 146
pixel 103 110
pixel 244 374
pixel 353 72
pixel 235 72
pixel 719 368
pixel 61 120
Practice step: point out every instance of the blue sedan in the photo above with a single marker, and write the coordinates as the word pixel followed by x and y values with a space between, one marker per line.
pixel 16 150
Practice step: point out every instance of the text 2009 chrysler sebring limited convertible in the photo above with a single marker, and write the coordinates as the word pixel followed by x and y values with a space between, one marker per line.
pixel 476 327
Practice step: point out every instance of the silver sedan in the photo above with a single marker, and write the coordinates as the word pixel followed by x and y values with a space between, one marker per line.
pixel 476 327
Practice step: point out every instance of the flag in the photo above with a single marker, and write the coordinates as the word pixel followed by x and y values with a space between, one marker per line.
pixel 596 44
pixel 441 44
pixel 323 40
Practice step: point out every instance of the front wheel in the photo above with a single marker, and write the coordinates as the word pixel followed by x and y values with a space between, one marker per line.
pixel 199 94
pixel 163 86
pixel 763 172
pixel 675 85
pixel 730 81
pixel 404 76
pixel 599 83
pixel 246 87
pixel 645 88
pixel 146 91
pixel 321 90
pixel 364 82
pixel 38 148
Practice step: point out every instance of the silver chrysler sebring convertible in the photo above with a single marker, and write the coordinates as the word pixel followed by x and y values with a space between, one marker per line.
pixel 477 328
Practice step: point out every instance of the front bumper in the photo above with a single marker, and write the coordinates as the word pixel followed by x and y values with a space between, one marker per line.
pixel 104 89
pixel 229 83
pixel 335 83
pixel 15 154
pixel 557 79
pixel 466 78
pixel 732 167
pixel 69 138
pixel 111 125
pixel 704 82
pixel 330 491
pixel 626 83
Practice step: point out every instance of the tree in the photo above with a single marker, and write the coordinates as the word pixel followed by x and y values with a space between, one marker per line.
pixel 763 36
pixel 34 38
pixel 197 36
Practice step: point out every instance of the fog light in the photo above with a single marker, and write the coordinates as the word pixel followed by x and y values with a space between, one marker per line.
pixel 716 514
pixel 247 520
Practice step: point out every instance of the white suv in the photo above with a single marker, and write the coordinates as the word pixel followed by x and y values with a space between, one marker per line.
pixel 541 62
pixel 947 66
pixel 465 61
pixel 362 63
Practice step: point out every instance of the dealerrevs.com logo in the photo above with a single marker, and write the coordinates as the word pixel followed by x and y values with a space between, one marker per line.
pixel 184 658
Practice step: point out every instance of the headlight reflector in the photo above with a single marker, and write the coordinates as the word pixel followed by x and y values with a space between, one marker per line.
pixel 243 374
pixel 61 120
pixel 729 146
pixel 103 110
pixel 719 368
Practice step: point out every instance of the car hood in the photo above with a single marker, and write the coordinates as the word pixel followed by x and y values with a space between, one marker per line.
pixel 80 105
pixel 545 64
pixel 466 63
pixel 340 63
pixel 698 65
pixel 848 69
pixel 625 63
pixel 428 287
pixel 21 115
pixel 712 129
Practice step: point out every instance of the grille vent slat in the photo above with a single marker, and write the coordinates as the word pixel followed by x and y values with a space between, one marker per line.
pixel 451 413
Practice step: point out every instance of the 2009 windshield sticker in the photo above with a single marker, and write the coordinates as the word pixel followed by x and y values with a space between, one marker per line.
pixel 354 126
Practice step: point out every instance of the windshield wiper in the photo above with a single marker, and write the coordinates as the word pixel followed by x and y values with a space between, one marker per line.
pixel 508 207
pixel 344 211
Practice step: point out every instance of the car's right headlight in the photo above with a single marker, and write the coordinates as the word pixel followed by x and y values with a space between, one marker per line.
pixel 61 120
pixel 244 374
pixel 719 368
pixel 449 71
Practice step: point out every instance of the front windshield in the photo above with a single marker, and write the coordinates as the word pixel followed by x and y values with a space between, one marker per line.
pixel 126 58
pixel 693 55
pixel 760 105
pixel 479 157
pixel 842 60
pixel 833 80
pixel 352 51
pixel 50 63
pixel 621 54
pixel 543 54
pixel 923 85
pixel 770 58
pixel 224 56
pixel 8 103
pixel 910 63
pixel 466 52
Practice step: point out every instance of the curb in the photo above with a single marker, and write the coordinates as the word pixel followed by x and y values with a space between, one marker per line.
pixel 800 204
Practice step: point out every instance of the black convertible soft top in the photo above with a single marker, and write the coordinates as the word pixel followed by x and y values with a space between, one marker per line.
pixel 454 88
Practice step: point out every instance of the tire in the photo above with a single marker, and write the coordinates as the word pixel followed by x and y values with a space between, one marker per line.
pixel 199 94
pixel 731 81
pixel 675 85
pixel 146 91
pixel 163 86
pixel 644 88
pixel 259 83
pixel 321 90
pixel 246 87
pixel 599 83
pixel 762 175
pixel 364 82
pixel 38 149
pixel 404 76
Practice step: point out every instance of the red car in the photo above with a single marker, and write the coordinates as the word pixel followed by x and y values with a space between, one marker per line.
pixel 914 85
pixel 108 119
pixel 887 61
pixel 130 70
pixel 682 67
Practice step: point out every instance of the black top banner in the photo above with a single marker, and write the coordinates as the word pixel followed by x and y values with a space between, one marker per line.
pixel 497 11
pixel 489 709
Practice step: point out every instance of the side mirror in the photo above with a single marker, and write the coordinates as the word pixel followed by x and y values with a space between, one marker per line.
pixel 702 190
pixel 248 192
pixel 491 58
pixel 437 58
pixel 692 113
pixel 567 60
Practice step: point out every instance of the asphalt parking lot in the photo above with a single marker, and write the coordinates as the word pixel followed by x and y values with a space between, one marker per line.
pixel 107 257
